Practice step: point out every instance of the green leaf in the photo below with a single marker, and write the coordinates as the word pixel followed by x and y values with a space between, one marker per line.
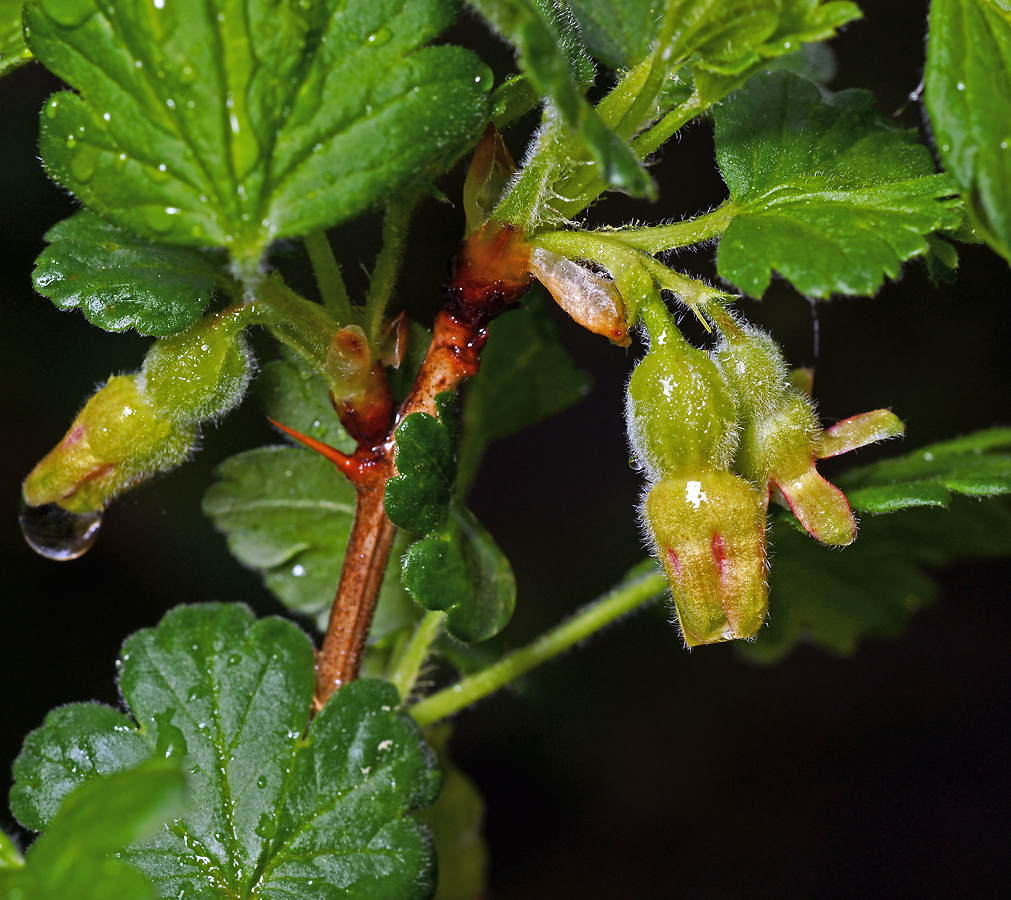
pixel 455 821
pixel 822 189
pixel 119 281
pixel 418 497
pixel 101 816
pixel 967 91
pixel 274 814
pixel 10 858
pixel 462 570
pixel 978 465
pixel 13 51
pixel 834 599
pixel 525 376
pixel 235 122
pixel 286 512
pixel 551 54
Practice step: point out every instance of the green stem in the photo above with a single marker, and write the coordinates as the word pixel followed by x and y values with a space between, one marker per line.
pixel 328 276
pixel 623 599
pixel 412 658
pixel 657 238
pixel 651 140
pixel 396 223
pixel 304 326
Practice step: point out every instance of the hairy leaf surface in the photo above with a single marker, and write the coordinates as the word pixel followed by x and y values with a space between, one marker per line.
pixel 280 809
pixel 235 122
pixel 967 91
pixel 120 281
pixel 824 191
pixel 99 818
pixel 13 51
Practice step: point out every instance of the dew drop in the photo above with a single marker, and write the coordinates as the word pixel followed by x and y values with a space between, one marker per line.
pixel 120 162
pixel 261 782
pixel 71 142
pixel 83 162
pixel 56 533
pixel 265 827
pixel 51 108
pixel 69 13
pixel 380 37
pixel 157 219
pixel 298 571
pixel 961 85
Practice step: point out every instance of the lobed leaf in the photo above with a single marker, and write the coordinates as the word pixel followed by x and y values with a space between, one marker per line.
pixel 525 376
pixel 280 808
pixel 100 817
pixel 13 50
pixel 418 497
pixel 835 599
pixel 967 92
pixel 822 189
pixel 120 281
pixel 235 122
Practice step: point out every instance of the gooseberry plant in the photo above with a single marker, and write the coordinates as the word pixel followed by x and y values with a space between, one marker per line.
pixel 207 141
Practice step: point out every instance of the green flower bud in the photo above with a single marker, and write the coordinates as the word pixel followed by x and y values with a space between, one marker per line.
pixel 200 374
pixel 678 409
pixel 708 528
pixel 116 441
pixel 780 434
pixel 706 524
pixel 144 423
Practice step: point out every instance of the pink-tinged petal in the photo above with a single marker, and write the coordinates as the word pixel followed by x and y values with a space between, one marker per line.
pixel 819 506
pixel 858 431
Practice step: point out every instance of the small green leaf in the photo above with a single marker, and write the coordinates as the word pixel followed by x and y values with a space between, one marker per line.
pixel 525 376
pixel 287 512
pixel 234 122
pixel 119 281
pixel 551 54
pixel 978 465
pixel 418 497
pixel 967 91
pixel 834 599
pixel 823 190
pixel 13 51
pixel 100 817
pixel 462 570
pixel 279 808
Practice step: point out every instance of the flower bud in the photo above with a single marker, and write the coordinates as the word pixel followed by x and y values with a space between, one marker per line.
pixel 144 423
pixel 780 434
pixel 706 524
pixel 116 441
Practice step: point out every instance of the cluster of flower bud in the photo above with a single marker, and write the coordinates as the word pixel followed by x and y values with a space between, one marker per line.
pixel 146 422
pixel 717 435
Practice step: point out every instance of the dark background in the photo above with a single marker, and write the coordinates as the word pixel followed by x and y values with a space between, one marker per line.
pixel 629 768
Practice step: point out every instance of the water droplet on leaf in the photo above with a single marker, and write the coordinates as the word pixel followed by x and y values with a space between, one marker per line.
pixel 261 782
pixel 56 533
pixel 68 13
pixel 380 37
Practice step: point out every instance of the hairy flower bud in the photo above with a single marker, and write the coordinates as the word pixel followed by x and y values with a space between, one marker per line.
pixel 144 423
pixel 706 524
pixel 780 434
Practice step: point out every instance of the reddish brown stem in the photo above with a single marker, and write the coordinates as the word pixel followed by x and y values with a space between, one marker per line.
pixel 490 275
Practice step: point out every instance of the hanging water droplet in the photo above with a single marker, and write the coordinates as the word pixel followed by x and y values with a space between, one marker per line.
pixel 56 533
